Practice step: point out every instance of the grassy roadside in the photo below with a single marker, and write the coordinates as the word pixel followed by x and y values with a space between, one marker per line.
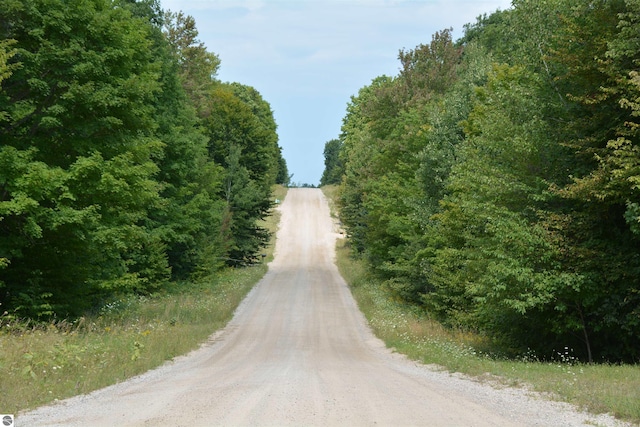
pixel 43 363
pixel 613 389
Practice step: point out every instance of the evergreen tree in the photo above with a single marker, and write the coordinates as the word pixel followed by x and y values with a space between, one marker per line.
pixel 333 167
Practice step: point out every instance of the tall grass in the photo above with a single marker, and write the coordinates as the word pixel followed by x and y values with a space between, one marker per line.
pixel 613 389
pixel 40 363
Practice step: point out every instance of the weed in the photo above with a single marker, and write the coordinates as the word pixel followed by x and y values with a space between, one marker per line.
pixel 41 363
pixel 613 389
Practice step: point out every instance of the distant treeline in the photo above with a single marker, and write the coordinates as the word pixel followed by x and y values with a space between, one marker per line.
pixel 125 165
pixel 495 182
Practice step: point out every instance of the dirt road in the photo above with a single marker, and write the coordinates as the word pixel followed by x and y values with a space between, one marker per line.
pixel 298 353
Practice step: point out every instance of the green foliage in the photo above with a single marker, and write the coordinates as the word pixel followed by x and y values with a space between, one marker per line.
pixel 430 70
pixel 242 138
pixel 492 243
pixel 197 66
pixel 79 135
pixel 190 217
pixel 494 182
pixel 358 148
pixel 333 166
pixel 109 180
pixel 382 135
pixel 6 69
pixel 283 177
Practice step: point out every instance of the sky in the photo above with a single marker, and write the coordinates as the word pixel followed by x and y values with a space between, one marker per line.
pixel 307 58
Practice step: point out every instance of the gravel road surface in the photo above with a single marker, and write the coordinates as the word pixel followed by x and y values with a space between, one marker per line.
pixel 298 353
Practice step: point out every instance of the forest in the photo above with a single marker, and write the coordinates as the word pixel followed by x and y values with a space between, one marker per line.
pixel 494 183
pixel 125 165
